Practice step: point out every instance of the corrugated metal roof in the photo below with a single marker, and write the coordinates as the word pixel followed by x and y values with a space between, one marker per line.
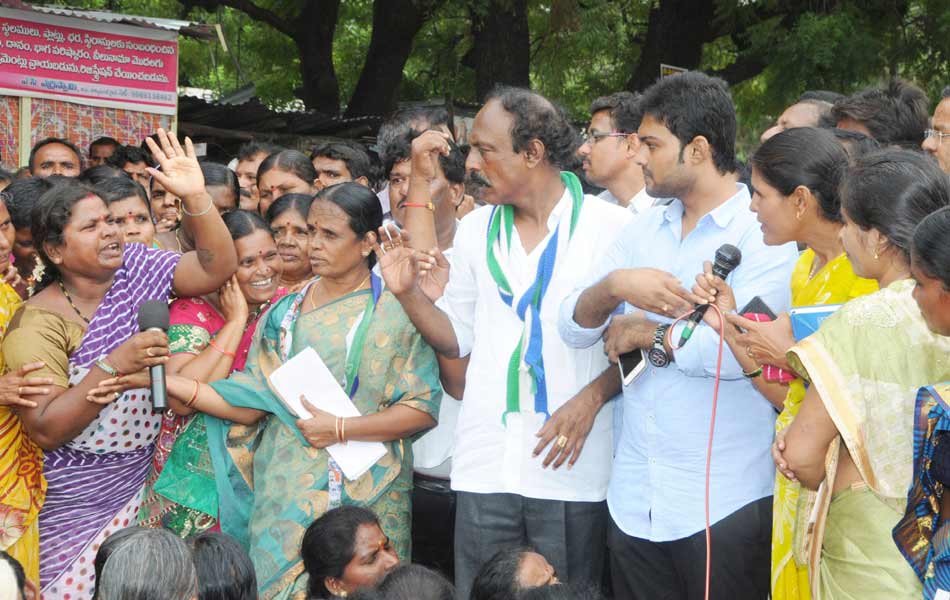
pixel 189 28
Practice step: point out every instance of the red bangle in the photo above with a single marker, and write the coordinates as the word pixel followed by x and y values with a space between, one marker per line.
pixel 427 205
pixel 218 349
pixel 194 396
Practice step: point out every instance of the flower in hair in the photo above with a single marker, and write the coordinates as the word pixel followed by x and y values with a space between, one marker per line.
pixel 39 269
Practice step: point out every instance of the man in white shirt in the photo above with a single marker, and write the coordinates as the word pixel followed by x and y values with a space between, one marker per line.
pixel 531 403
pixel 610 149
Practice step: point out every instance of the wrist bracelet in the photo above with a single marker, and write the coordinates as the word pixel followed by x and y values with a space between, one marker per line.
pixel 109 369
pixel 194 396
pixel 218 349
pixel 342 431
pixel 427 205
pixel 753 373
pixel 336 428
pixel 197 214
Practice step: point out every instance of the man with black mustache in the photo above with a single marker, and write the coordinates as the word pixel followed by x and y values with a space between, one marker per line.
pixel 534 441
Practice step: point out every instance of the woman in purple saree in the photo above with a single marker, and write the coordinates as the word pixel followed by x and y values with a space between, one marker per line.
pixel 82 324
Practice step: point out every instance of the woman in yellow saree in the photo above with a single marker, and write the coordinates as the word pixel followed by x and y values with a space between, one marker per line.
pixel 852 438
pixel 795 183
pixel 22 487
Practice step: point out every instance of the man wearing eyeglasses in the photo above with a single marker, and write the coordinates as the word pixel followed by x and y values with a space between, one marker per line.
pixel 935 139
pixel 609 149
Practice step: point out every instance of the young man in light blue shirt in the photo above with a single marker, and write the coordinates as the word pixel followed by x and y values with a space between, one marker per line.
pixel 656 491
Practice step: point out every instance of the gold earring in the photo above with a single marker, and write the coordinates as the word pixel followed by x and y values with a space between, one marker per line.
pixel 875 255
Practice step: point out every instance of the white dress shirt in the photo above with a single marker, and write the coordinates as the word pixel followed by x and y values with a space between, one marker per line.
pixel 639 203
pixel 490 457
pixel 656 489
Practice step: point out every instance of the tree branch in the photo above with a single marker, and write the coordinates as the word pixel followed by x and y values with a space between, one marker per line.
pixel 258 13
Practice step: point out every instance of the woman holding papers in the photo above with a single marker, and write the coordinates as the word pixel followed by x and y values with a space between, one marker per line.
pixel 795 196
pixel 272 487
pixel 922 535
pixel 853 433
pixel 209 338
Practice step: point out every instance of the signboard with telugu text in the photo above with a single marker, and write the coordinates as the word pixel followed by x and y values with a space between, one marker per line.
pixel 88 62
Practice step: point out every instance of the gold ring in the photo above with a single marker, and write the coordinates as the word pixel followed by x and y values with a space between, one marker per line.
pixel 149 352
pixel 117 394
pixel 748 352
pixel 561 441
pixel 666 308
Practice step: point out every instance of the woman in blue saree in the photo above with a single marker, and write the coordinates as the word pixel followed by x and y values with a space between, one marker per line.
pixel 272 485
pixel 922 535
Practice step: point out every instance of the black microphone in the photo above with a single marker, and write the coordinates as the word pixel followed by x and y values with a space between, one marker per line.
pixel 153 316
pixel 728 258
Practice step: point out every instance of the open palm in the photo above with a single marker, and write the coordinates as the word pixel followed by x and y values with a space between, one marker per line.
pixel 180 172
pixel 396 262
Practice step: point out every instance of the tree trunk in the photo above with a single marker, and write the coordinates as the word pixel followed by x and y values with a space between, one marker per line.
pixel 502 45
pixel 395 25
pixel 313 35
pixel 676 33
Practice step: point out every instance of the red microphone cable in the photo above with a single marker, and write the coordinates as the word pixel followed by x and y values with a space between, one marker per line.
pixel 712 428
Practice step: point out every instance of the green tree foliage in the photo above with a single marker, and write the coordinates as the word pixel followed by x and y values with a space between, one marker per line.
pixel 769 50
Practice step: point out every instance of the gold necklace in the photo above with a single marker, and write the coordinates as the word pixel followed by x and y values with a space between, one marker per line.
pixel 70 300
pixel 314 286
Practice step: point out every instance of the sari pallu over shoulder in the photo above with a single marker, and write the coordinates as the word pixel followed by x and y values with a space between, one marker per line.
pixel 267 508
pixel 867 361
pixel 95 481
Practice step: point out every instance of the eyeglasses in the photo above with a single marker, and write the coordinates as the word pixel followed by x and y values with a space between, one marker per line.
pixel 937 134
pixel 593 137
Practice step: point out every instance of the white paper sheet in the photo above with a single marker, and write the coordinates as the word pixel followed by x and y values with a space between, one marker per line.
pixel 306 375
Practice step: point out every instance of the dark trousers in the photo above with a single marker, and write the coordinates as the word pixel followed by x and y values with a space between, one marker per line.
pixel 741 559
pixel 570 535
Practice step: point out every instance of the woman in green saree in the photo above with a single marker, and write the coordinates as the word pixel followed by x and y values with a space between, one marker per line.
pixel 272 485
pixel 852 438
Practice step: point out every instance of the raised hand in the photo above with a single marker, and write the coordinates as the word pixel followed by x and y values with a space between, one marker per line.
pixel 233 304
pixel 426 150
pixel 433 272
pixel 396 262
pixel 180 172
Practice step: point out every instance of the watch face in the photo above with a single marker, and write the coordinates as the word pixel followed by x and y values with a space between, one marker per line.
pixel 658 357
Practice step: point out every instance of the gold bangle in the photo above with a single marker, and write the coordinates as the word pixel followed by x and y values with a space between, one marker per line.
pixel 343 431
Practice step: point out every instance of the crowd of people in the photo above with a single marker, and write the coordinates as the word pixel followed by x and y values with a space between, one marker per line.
pixel 471 298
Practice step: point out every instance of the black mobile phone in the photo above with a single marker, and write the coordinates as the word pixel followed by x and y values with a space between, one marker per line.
pixel 631 365
pixel 757 305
